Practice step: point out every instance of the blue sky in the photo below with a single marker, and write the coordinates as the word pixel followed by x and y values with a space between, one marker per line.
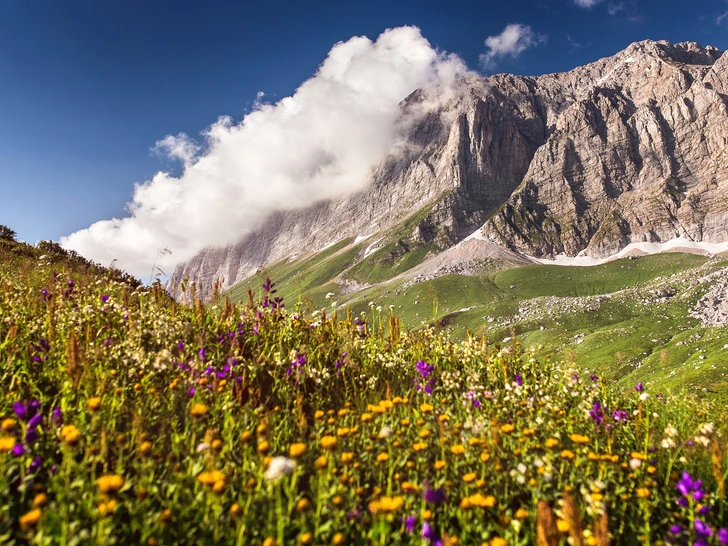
pixel 87 88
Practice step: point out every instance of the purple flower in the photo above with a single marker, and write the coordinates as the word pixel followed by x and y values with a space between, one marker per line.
pixel 35 465
pixel 21 409
pixel 104 298
pixel 702 528
pixel 620 415
pixel 424 369
pixel 594 378
pixel 435 496
pixel 203 354
pixel 518 379
pixel 19 450
pixel 57 417
pixel 596 413
pixel 723 536
pixel 409 523
pixel 676 529
pixel 639 387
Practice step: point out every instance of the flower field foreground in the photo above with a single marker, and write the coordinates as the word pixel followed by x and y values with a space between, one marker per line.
pixel 130 419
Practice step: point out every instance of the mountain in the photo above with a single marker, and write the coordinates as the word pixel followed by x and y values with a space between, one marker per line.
pixel 628 149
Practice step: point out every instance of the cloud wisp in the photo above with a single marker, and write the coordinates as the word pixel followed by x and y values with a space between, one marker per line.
pixel 586 3
pixel 317 144
pixel 514 40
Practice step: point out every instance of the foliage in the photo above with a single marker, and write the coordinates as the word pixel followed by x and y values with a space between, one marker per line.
pixel 128 418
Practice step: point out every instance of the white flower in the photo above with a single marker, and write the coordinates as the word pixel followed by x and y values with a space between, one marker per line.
pixel 204 446
pixel 644 396
pixel 706 429
pixel 704 440
pixel 668 443
pixel 386 432
pixel 670 431
pixel 278 467
pixel 634 464
pixel 522 468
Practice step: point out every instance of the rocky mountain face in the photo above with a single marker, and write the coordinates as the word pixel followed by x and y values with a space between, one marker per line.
pixel 630 148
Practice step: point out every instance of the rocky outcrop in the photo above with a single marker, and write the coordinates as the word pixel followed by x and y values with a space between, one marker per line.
pixel 630 148
pixel 638 155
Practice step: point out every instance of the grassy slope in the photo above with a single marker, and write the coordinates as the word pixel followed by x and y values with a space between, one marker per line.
pixel 600 317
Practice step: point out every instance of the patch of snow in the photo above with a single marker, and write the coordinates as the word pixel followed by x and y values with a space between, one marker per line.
pixel 629 60
pixel 372 248
pixel 330 244
pixel 477 235
pixel 360 238
pixel 680 244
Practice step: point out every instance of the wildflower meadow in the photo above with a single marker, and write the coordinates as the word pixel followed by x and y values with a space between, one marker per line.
pixel 130 418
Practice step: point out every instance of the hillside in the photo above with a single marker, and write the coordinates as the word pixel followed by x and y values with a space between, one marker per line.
pixel 129 418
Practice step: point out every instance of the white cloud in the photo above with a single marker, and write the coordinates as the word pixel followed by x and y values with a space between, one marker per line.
pixel 513 41
pixel 721 18
pixel 179 147
pixel 319 143
pixel 586 3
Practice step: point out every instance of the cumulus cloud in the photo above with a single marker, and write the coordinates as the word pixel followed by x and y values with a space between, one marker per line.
pixel 319 143
pixel 514 40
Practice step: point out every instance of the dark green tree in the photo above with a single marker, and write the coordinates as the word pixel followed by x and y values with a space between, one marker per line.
pixel 6 233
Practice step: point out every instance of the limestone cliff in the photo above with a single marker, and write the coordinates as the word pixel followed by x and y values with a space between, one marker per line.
pixel 627 149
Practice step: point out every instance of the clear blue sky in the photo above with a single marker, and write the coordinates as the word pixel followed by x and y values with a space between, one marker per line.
pixel 88 87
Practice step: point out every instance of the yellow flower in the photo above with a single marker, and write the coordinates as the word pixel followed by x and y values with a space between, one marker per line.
pixel 218 487
pixel 29 520
pixel 507 428
pixel 386 504
pixel 382 458
pixel 439 465
pixel 296 451
pixel 303 505
pixel 70 435
pixel 498 541
pixel 387 404
pixel 426 408
pixel 566 454
pixel 341 432
pixel 478 501
pixel 306 538
pixel 521 513
pixel 347 457
pixel 145 449
pixel 551 443
pixel 8 425
pixel 319 414
pixel 210 477
pixel 642 492
pixel 338 539
pixel 419 446
pixel 236 510
pixel 166 515
pixel 40 500
pixel 7 443
pixel 469 477
pixel 342 413
pixel 321 463
pixel 485 456
pixel 270 541
pixel 366 417
pixel 442 418
pixel 377 410
pixel 424 433
pixel 328 442
pixel 94 404
pixel 263 447
pixel 198 410
pixel 246 437
pixel 110 483
pixel 408 487
pixel 563 526
pixel 579 438
pixel 458 449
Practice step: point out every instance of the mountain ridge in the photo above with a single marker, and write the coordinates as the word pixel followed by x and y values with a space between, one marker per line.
pixel 545 165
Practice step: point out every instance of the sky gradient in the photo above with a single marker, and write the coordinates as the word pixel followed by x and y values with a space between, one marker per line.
pixel 88 88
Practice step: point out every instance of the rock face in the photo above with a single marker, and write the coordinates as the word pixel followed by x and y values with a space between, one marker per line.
pixel 630 148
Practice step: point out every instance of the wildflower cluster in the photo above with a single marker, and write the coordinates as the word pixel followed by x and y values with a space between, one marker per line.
pixel 133 419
